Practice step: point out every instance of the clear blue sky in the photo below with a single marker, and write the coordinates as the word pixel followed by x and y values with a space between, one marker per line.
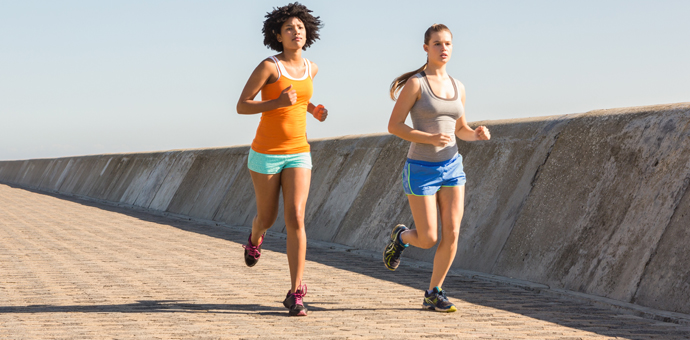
pixel 88 77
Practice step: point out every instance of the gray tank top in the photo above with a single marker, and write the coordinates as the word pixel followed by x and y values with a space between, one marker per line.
pixel 434 114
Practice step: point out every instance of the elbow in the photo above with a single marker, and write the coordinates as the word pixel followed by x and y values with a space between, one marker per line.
pixel 391 128
pixel 240 108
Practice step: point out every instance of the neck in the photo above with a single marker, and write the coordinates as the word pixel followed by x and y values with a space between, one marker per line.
pixel 436 70
pixel 291 55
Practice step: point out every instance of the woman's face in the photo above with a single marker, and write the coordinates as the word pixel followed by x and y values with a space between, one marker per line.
pixel 440 47
pixel 292 34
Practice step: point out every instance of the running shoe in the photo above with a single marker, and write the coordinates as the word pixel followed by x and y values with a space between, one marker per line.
pixel 252 252
pixel 293 301
pixel 437 301
pixel 394 249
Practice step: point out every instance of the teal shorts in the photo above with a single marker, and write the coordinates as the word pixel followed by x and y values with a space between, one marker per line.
pixel 273 164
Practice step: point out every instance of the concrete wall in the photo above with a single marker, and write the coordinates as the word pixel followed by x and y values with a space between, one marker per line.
pixel 594 203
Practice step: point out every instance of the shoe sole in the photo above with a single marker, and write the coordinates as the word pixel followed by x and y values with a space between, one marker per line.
pixel 393 236
pixel 301 313
pixel 433 308
pixel 384 260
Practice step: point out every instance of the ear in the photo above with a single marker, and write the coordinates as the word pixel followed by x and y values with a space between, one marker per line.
pixel 426 48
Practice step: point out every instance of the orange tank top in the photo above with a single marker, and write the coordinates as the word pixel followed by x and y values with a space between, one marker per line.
pixel 284 130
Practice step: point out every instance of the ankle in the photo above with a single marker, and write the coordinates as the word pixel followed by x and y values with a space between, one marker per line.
pixel 400 240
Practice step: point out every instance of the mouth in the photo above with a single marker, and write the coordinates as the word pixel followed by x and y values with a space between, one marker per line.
pixel 297 39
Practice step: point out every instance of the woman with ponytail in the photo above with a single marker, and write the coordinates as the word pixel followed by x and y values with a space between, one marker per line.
pixel 433 176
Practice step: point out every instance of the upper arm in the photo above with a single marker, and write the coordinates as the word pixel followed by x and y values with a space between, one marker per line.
pixel 406 99
pixel 263 74
pixel 461 123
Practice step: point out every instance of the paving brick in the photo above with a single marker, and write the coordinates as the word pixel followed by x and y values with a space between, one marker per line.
pixel 73 269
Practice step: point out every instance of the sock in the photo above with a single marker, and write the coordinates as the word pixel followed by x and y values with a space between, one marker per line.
pixel 400 241
pixel 428 292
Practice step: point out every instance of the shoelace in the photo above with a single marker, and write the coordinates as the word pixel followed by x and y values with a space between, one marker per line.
pixel 398 248
pixel 442 296
pixel 299 294
pixel 252 250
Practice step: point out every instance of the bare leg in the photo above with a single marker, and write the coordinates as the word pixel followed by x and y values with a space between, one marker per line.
pixel 451 203
pixel 266 190
pixel 425 217
pixel 295 182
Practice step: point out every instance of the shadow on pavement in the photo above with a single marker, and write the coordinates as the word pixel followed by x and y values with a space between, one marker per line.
pixel 145 306
pixel 489 294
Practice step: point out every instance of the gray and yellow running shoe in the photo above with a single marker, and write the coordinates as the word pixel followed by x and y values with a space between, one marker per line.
pixel 394 249
pixel 437 301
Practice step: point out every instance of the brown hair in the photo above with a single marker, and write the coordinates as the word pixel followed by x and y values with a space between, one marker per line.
pixel 399 82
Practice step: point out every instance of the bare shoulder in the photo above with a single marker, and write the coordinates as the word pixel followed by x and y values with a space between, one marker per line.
pixel 266 64
pixel 413 83
pixel 413 86
pixel 412 90
pixel 267 71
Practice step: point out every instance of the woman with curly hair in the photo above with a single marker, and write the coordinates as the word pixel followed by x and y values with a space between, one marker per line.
pixel 433 175
pixel 279 157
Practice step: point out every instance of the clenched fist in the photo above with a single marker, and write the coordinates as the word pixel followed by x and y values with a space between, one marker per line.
pixel 287 97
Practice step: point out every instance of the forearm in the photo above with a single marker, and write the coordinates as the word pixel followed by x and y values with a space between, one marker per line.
pixel 407 133
pixel 466 134
pixel 250 107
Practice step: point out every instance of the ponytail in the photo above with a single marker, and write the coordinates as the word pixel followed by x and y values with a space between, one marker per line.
pixel 399 82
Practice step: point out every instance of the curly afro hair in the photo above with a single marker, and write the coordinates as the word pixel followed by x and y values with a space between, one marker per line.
pixel 275 20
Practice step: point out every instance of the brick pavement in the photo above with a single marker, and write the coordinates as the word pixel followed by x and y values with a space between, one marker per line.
pixel 73 269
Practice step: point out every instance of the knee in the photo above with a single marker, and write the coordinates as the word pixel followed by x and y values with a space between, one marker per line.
pixel 452 236
pixel 294 218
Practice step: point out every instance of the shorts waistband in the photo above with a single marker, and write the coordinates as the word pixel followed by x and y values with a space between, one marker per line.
pixel 442 163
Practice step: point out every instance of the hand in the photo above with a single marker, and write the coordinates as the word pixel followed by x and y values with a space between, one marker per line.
pixel 287 97
pixel 440 139
pixel 320 113
pixel 482 133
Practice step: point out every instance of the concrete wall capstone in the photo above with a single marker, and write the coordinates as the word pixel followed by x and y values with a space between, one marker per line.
pixel 594 203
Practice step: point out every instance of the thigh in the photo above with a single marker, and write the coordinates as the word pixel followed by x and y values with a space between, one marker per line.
pixel 267 191
pixel 425 214
pixel 451 202
pixel 295 183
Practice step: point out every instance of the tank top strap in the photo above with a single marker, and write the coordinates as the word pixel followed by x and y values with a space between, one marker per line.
pixel 424 84
pixel 308 67
pixel 276 62
pixel 287 75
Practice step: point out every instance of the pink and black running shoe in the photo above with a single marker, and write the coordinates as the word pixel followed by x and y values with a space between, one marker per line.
pixel 252 252
pixel 294 302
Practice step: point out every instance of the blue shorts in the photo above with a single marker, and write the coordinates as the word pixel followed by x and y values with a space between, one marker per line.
pixel 273 164
pixel 421 178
